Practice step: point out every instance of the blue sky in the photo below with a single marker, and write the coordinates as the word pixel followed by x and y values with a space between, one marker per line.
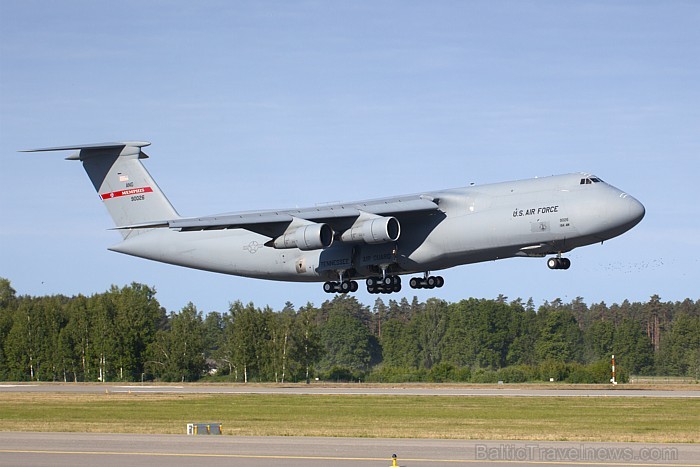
pixel 265 104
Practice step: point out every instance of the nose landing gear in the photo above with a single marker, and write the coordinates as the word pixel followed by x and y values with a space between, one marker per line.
pixel 558 263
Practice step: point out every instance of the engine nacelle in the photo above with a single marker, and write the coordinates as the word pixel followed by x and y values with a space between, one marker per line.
pixel 377 230
pixel 306 237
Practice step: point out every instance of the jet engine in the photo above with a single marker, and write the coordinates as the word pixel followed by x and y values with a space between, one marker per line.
pixel 375 230
pixel 307 237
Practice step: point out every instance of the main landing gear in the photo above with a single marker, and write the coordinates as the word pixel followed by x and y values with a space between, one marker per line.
pixel 342 286
pixel 383 284
pixel 558 263
pixel 386 284
pixel 345 286
pixel 426 282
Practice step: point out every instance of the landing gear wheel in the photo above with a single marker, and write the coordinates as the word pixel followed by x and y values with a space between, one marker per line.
pixel 371 285
pixel 558 263
pixel 345 287
pixel 440 282
pixel 353 286
pixel 414 282
pixel 431 282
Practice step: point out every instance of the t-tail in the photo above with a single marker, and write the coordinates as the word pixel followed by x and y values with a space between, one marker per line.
pixel 124 185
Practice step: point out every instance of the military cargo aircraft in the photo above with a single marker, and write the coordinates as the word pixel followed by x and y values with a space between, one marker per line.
pixel 377 240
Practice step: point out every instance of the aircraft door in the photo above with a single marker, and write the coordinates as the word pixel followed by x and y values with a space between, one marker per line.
pixel 300 265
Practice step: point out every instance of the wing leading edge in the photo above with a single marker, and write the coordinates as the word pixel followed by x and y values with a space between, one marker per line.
pixel 341 218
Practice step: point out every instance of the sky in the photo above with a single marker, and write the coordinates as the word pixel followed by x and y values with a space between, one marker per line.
pixel 273 104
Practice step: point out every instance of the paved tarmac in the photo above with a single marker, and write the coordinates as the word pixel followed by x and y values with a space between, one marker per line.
pixel 83 449
pixel 347 389
pixel 107 450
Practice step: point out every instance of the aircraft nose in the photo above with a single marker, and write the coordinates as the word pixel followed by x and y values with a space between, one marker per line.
pixel 628 211
pixel 636 210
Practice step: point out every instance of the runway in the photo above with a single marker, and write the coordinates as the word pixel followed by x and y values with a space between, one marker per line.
pixel 83 449
pixel 348 389
pixel 107 450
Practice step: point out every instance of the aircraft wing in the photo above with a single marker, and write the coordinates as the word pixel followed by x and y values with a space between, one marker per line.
pixel 339 217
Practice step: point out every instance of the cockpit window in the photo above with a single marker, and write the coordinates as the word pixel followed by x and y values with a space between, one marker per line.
pixel 590 180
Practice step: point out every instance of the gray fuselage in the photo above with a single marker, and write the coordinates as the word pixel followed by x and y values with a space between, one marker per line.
pixel 535 217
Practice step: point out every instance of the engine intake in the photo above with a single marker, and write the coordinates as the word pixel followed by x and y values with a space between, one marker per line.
pixel 306 237
pixel 373 231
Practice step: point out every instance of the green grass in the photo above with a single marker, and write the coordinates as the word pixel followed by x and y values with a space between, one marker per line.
pixel 498 418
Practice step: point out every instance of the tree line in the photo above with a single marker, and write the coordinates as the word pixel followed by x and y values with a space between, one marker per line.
pixel 125 335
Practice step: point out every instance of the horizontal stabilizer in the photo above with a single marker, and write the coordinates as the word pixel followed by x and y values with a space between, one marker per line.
pixel 93 148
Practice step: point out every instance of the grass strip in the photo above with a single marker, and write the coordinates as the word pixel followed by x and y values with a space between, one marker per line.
pixel 659 420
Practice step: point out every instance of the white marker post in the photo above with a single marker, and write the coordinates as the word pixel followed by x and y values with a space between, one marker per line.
pixel 612 380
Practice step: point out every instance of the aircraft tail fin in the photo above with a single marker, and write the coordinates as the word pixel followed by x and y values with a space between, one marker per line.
pixel 128 191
